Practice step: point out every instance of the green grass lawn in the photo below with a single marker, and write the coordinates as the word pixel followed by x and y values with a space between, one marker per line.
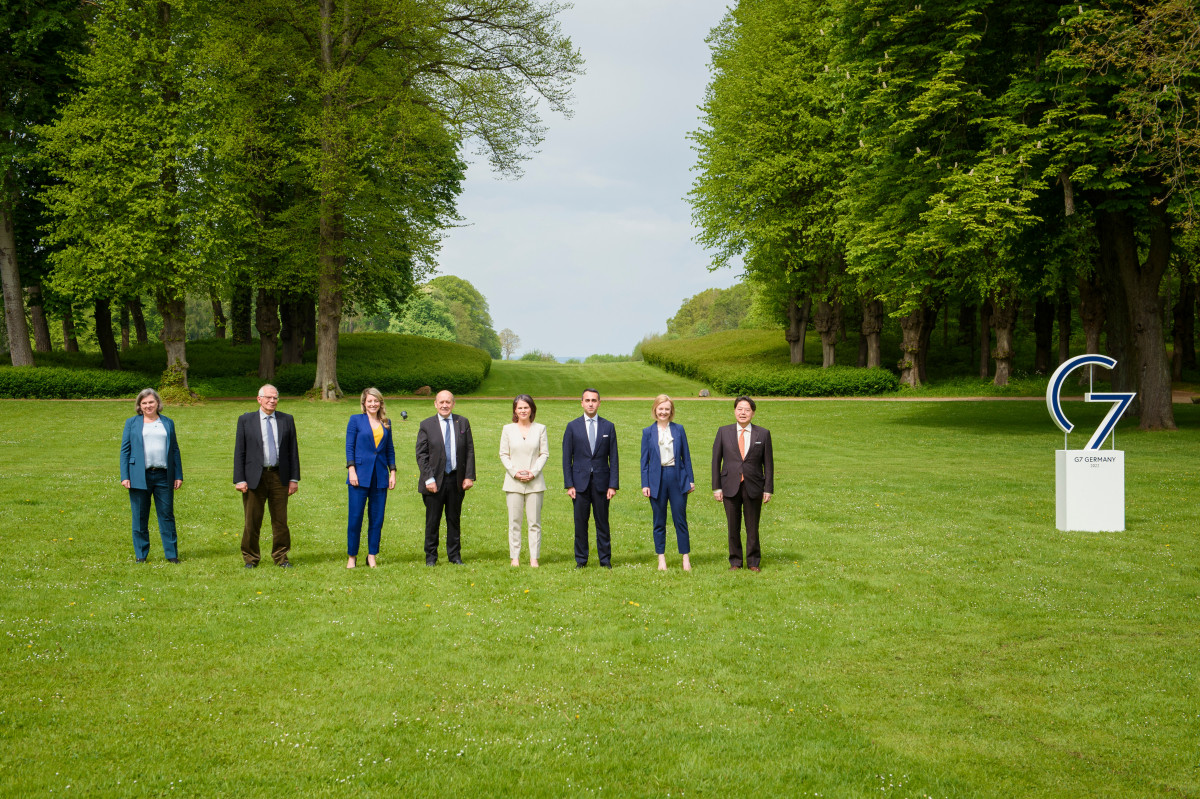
pixel 919 627
pixel 543 378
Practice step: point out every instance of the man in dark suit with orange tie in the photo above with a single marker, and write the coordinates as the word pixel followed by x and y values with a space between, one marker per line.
pixel 446 466
pixel 743 478
pixel 266 469
pixel 592 476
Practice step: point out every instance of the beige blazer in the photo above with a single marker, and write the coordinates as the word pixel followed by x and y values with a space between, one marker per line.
pixel 529 454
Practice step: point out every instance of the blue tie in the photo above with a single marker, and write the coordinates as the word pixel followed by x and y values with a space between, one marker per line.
pixel 272 450
pixel 449 453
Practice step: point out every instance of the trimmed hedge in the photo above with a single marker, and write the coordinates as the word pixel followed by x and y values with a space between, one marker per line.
pixel 755 362
pixel 395 364
pixel 50 382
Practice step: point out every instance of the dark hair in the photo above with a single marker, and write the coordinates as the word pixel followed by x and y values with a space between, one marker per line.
pixel 742 399
pixel 532 406
pixel 590 391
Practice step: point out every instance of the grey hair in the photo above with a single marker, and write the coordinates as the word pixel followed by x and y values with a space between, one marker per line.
pixel 146 392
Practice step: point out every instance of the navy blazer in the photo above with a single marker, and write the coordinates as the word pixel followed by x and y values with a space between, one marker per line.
pixel 133 453
pixel 581 465
pixel 652 461
pixel 248 450
pixel 431 451
pixel 371 463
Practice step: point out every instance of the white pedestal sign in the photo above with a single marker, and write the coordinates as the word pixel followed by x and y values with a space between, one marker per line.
pixel 1089 483
pixel 1090 487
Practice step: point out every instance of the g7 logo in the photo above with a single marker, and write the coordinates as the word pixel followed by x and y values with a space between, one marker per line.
pixel 1119 399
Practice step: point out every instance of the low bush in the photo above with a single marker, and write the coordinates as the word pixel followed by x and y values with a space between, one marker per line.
pixel 756 362
pixel 55 382
pixel 395 364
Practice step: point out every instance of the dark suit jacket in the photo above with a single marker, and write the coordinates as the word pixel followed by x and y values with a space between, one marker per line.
pixel 652 460
pixel 133 453
pixel 431 451
pixel 581 465
pixel 248 450
pixel 372 464
pixel 758 470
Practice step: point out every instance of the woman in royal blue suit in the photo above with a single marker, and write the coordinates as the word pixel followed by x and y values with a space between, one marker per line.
pixel 371 467
pixel 151 469
pixel 667 478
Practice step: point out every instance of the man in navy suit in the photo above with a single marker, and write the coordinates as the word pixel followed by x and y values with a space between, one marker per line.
pixel 266 469
pixel 591 474
pixel 446 463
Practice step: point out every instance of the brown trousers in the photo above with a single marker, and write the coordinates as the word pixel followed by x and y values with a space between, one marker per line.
pixel 272 493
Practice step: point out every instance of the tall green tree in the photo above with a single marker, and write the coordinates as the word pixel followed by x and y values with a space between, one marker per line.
pixel 473 321
pixel 390 92
pixel 36 42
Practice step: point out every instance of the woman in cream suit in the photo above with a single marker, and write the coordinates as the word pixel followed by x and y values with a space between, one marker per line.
pixel 523 451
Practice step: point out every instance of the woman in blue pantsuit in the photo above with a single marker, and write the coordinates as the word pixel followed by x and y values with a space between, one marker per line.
pixel 152 470
pixel 667 479
pixel 371 467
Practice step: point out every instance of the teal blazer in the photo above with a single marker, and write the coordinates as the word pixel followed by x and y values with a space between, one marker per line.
pixel 133 453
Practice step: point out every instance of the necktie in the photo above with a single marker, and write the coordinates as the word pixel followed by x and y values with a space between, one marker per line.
pixel 592 434
pixel 742 447
pixel 272 450
pixel 449 451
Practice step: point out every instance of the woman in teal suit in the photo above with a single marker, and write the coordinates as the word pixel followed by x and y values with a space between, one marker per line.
pixel 151 468
pixel 371 467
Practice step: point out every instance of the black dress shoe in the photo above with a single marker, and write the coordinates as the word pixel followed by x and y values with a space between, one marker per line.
pixel 172 560
pixel 431 563
pixel 139 560
pixel 456 562
pixel 287 564
pixel 251 565
pixel 580 565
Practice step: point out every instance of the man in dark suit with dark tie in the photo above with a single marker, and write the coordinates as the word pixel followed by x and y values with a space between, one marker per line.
pixel 591 474
pixel 446 467
pixel 266 469
pixel 743 478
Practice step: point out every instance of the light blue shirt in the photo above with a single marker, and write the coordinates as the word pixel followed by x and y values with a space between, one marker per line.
pixel 262 426
pixel 154 444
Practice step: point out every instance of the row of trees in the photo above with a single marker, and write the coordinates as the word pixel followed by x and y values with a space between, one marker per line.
pixel 903 158
pixel 306 155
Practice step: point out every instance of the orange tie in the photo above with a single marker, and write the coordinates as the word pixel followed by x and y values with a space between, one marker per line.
pixel 742 449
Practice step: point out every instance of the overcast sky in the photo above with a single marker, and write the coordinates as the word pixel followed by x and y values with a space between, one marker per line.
pixel 592 248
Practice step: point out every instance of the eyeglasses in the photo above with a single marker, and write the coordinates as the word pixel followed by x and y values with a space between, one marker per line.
pixel 269 399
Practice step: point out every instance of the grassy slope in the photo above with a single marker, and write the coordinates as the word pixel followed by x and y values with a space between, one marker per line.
pixel 543 379
pixel 919 628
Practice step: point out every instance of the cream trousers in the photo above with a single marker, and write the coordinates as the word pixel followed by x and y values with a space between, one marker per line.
pixel 521 507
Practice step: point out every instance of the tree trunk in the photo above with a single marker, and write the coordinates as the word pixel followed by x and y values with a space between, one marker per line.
pixel 14 301
pixel 931 314
pixel 70 343
pixel 1064 324
pixel 291 338
pixel 828 322
pixel 267 322
pixel 218 315
pixel 985 338
pixel 104 334
pixel 1043 334
pixel 124 324
pixel 1091 311
pixel 174 335
pixel 1004 322
pixel 1141 282
pixel 139 321
pixel 797 328
pixel 872 326
pixel 1183 327
pixel 308 318
pixel 910 346
pixel 240 303
pixel 37 315
pixel 966 325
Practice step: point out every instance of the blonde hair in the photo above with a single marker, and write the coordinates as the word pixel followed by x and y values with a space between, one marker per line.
pixel 362 402
pixel 659 400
